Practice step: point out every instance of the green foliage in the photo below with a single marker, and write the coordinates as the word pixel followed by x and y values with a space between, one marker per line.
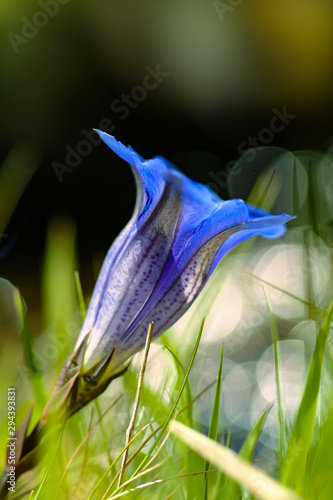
pixel 214 421
pixel 278 383
pixel 231 489
pixel 84 455
pixel 295 464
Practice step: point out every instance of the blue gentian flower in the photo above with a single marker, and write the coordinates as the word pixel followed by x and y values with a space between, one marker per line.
pixel 179 232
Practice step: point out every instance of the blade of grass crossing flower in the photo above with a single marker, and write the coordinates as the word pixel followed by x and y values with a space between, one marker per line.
pixel 262 486
pixel 173 409
pixel 293 467
pixel 278 382
pixel 36 378
pixel 231 489
pixel 214 420
pixel 80 295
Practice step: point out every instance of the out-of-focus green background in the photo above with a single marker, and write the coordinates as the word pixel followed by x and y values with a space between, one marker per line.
pixel 223 73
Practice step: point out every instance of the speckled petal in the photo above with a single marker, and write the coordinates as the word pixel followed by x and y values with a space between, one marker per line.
pixel 133 280
pixel 157 266
pixel 182 290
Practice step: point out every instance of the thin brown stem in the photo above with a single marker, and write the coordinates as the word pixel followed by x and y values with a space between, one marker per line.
pixel 136 402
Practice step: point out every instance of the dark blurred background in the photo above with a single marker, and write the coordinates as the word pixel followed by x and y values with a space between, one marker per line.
pixel 221 70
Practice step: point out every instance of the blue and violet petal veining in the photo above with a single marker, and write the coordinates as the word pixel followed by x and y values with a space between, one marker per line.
pixel 178 233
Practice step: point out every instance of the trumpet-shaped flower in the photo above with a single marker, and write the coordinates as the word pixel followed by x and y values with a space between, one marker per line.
pixel 160 262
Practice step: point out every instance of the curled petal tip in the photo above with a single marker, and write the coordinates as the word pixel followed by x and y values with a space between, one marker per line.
pixel 126 153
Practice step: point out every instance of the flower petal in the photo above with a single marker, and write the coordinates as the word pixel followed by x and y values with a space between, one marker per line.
pixel 157 266
pixel 131 282
pixel 150 185
pixel 184 288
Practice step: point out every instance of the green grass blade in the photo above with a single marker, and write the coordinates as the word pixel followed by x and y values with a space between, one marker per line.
pixel 102 429
pixel 319 471
pixel 158 409
pixel 80 297
pixel 307 303
pixel 252 438
pixel 181 372
pixel 100 480
pixel 219 482
pixel 295 197
pixel 227 442
pixel 278 382
pixel 214 421
pixel 262 486
pixel 231 489
pixel 188 418
pixel 293 467
pixel 173 409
